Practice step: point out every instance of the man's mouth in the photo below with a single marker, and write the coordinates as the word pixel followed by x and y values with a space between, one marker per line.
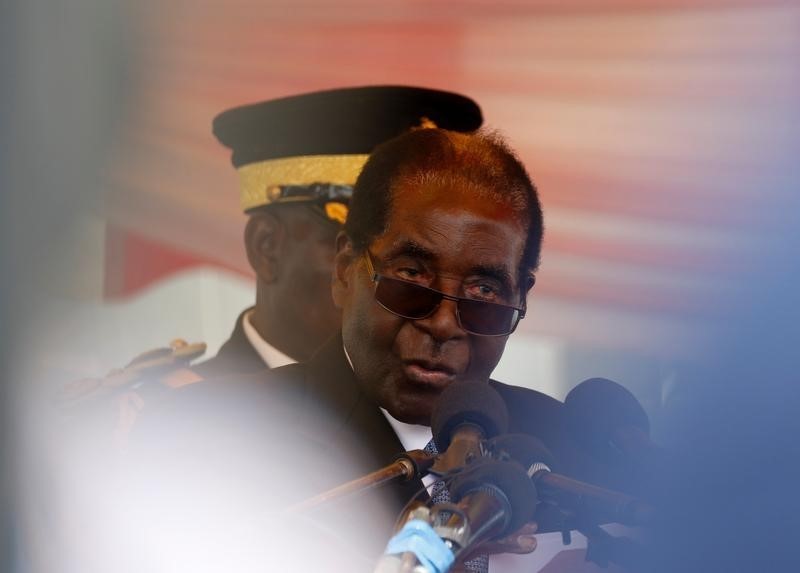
pixel 426 373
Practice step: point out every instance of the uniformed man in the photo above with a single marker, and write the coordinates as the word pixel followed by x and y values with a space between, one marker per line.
pixel 297 158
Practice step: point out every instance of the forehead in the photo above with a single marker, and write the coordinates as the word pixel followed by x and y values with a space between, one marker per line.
pixel 454 226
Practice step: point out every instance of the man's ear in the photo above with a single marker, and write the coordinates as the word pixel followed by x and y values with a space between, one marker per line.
pixel 263 239
pixel 530 280
pixel 342 269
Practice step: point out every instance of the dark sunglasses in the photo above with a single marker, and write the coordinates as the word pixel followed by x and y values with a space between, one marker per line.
pixel 414 301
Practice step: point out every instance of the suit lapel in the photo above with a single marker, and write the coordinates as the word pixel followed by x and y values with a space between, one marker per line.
pixel 350 416
pixel 350 424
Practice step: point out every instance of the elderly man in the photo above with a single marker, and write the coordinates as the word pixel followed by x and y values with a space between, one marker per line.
pixel 433 268
pixel 431 274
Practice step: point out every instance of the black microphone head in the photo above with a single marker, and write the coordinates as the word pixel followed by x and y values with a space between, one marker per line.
pixel 468 402
pixel 522 448
pixel 596 408
pixel 510 478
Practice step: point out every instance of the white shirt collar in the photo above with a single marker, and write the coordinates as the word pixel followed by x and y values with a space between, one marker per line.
pixel 412 436
pixel 271 356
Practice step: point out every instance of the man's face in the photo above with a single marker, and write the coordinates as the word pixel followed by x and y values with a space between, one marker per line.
pixel 304 290
pixel 448 240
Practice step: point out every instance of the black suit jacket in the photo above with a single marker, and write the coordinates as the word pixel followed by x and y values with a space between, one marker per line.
pixel 331 386
pixel 310 424
pixel 297 430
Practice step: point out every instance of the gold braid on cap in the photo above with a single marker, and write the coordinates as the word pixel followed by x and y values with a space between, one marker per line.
pixel 258 180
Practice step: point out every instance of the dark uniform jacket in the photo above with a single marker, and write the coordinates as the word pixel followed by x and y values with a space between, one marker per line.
pixel 236 356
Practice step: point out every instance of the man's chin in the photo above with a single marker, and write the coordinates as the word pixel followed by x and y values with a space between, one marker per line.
pixel 415 411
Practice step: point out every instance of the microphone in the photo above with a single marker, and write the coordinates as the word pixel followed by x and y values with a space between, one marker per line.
pixel 606 419
pixel 466 414
pixel 589 502
pixel 406 466
pixel 491 499
pixel 495 499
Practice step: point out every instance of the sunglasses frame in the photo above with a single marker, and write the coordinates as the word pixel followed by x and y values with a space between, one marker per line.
pixel 376 277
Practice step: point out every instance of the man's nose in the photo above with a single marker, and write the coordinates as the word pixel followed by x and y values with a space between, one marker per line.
pixel 443 323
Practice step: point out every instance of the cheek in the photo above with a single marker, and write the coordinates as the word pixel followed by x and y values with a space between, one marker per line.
pixel 372 321
pixel 314 245
pixel 320 256
pixel 486 353
pixel 312 265
pixel 374 329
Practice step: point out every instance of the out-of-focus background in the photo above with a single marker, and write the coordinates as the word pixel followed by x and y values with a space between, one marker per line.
pixel 663 136
pixel 655 131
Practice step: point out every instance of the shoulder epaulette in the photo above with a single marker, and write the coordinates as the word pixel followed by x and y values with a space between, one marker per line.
pixel 168 366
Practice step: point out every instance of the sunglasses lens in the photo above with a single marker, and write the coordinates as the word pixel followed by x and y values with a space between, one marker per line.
pixel 486 318
pixel 406 299
pixel 414 301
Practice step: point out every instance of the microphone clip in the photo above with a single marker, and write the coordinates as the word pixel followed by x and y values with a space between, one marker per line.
pixel 447 519
pixel 466 447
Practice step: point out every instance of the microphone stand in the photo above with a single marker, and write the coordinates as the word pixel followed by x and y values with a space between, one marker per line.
pixel 604 548
pixel 409 465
